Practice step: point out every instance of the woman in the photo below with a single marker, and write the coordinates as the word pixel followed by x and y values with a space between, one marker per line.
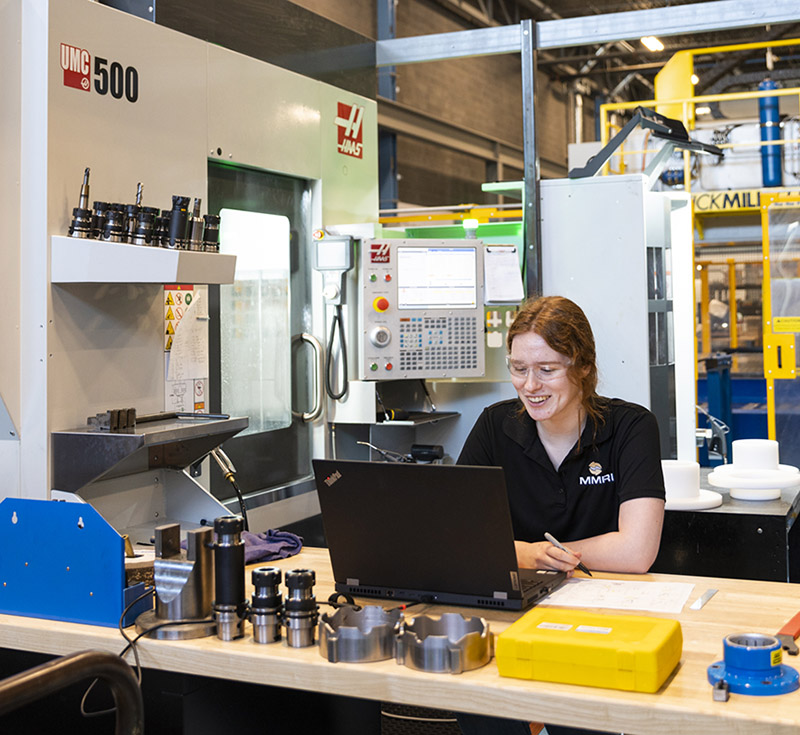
pixel 585 468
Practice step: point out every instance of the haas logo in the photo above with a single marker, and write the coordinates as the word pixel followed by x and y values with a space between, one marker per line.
pixel 379 252
pixel 76 63
pixel 350 134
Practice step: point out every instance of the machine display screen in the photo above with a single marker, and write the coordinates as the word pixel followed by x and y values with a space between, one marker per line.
pixel 436 277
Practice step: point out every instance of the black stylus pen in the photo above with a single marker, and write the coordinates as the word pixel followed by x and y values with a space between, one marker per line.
pixel 553 540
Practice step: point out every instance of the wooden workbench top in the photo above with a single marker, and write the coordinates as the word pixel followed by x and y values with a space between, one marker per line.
pixel 683 704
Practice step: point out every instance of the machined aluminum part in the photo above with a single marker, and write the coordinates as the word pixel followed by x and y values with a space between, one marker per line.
pixel 358 636
pixel 300 628
pixel 451 644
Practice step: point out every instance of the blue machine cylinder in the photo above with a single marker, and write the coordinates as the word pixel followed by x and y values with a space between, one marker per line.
pixel 769 115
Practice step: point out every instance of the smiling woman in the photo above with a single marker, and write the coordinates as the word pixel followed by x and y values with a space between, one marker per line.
pixel 580 466
pixel 584 468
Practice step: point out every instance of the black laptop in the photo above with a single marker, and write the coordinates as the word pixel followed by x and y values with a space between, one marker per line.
pixel 428 533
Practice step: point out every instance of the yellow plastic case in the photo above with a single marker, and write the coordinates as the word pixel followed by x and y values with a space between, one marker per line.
pixel 577 647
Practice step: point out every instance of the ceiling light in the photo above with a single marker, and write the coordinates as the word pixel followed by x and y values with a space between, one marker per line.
pixel 702 110
pixel 652 43
pixel 694 79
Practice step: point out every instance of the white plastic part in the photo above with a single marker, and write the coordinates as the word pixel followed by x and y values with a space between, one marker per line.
pixel 682 482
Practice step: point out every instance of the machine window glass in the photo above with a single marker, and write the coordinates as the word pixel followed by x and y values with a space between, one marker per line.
pixel 255 341
pixel 276 456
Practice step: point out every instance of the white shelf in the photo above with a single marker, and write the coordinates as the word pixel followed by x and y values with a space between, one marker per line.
pixel 77 260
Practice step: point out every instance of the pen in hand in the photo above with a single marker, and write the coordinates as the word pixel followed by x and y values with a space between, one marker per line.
pixel 552 539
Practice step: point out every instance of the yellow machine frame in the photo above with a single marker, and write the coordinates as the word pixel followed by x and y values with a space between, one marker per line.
pixel 779 348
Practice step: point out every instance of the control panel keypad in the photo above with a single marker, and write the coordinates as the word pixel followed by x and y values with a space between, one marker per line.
pixel 439 343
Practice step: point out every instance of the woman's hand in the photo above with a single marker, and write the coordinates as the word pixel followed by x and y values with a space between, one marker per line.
pixel 543 555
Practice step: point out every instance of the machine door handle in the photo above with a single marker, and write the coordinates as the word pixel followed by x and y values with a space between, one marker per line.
pixel 319 377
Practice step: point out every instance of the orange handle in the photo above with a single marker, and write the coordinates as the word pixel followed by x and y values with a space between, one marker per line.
pixel 791 628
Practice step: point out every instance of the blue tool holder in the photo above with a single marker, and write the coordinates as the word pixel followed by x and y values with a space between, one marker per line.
pixel 63 561
pixel 752 665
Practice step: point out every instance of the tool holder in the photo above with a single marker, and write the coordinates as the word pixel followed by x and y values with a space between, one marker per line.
pixel 752 665
pixel 451 644
pixel 184 585
pixel 358 636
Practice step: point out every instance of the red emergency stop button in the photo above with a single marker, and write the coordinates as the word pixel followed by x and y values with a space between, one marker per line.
pixel 380 304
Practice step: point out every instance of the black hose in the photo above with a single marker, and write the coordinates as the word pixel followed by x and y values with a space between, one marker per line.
pixel 337 321
pixel 240 498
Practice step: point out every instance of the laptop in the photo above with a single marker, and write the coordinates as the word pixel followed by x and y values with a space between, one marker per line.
pixel 427 533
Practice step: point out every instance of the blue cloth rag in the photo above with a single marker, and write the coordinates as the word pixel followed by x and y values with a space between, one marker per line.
pixel 274 544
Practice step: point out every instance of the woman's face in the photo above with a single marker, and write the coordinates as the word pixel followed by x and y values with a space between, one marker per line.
pixel 540 376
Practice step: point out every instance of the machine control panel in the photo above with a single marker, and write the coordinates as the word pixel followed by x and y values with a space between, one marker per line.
pixel 422 309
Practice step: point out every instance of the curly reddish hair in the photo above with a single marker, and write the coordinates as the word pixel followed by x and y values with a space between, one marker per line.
pixel 562 324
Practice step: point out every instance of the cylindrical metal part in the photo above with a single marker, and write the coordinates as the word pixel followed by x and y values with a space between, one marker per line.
pixel 145 225
pixel 265 606
pixel 161 230
pixel 114 226
pixel 771 155
pixel 83 199
pixel 752 664
pixel 81 225
pixel 211 233
pixel 99 219
pixel 131 212
pixel 300 608
pixel 196 228
pixel 230 603
pixel 177 222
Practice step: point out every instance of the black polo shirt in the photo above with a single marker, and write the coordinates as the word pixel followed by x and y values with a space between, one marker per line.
pixel 581 499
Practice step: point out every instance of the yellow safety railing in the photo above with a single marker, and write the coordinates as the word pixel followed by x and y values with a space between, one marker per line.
pixel 452 215
pixel 779 346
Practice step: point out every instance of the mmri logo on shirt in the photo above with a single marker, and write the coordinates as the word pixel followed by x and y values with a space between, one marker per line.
pixel 596 476
pixel 350 133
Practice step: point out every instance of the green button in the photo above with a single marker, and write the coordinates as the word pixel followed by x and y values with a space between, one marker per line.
pixel 373 278
pixel 373 367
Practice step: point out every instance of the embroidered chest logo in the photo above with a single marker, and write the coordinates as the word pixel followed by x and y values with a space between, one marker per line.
pixel 596 476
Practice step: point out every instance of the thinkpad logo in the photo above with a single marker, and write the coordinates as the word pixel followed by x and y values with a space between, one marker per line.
pixel 333 477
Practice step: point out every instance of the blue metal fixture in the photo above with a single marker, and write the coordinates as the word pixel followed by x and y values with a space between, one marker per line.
pixel 63 561
pixel 752 665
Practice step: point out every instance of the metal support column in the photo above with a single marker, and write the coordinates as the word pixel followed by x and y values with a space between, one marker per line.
pixel 387 88
pixel 532 223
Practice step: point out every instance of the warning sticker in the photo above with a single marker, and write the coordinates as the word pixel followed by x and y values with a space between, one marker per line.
pixel 176 299
pixel 786 324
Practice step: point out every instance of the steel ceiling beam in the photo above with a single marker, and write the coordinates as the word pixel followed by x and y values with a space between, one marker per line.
pixel 719 15
pixel 404 120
